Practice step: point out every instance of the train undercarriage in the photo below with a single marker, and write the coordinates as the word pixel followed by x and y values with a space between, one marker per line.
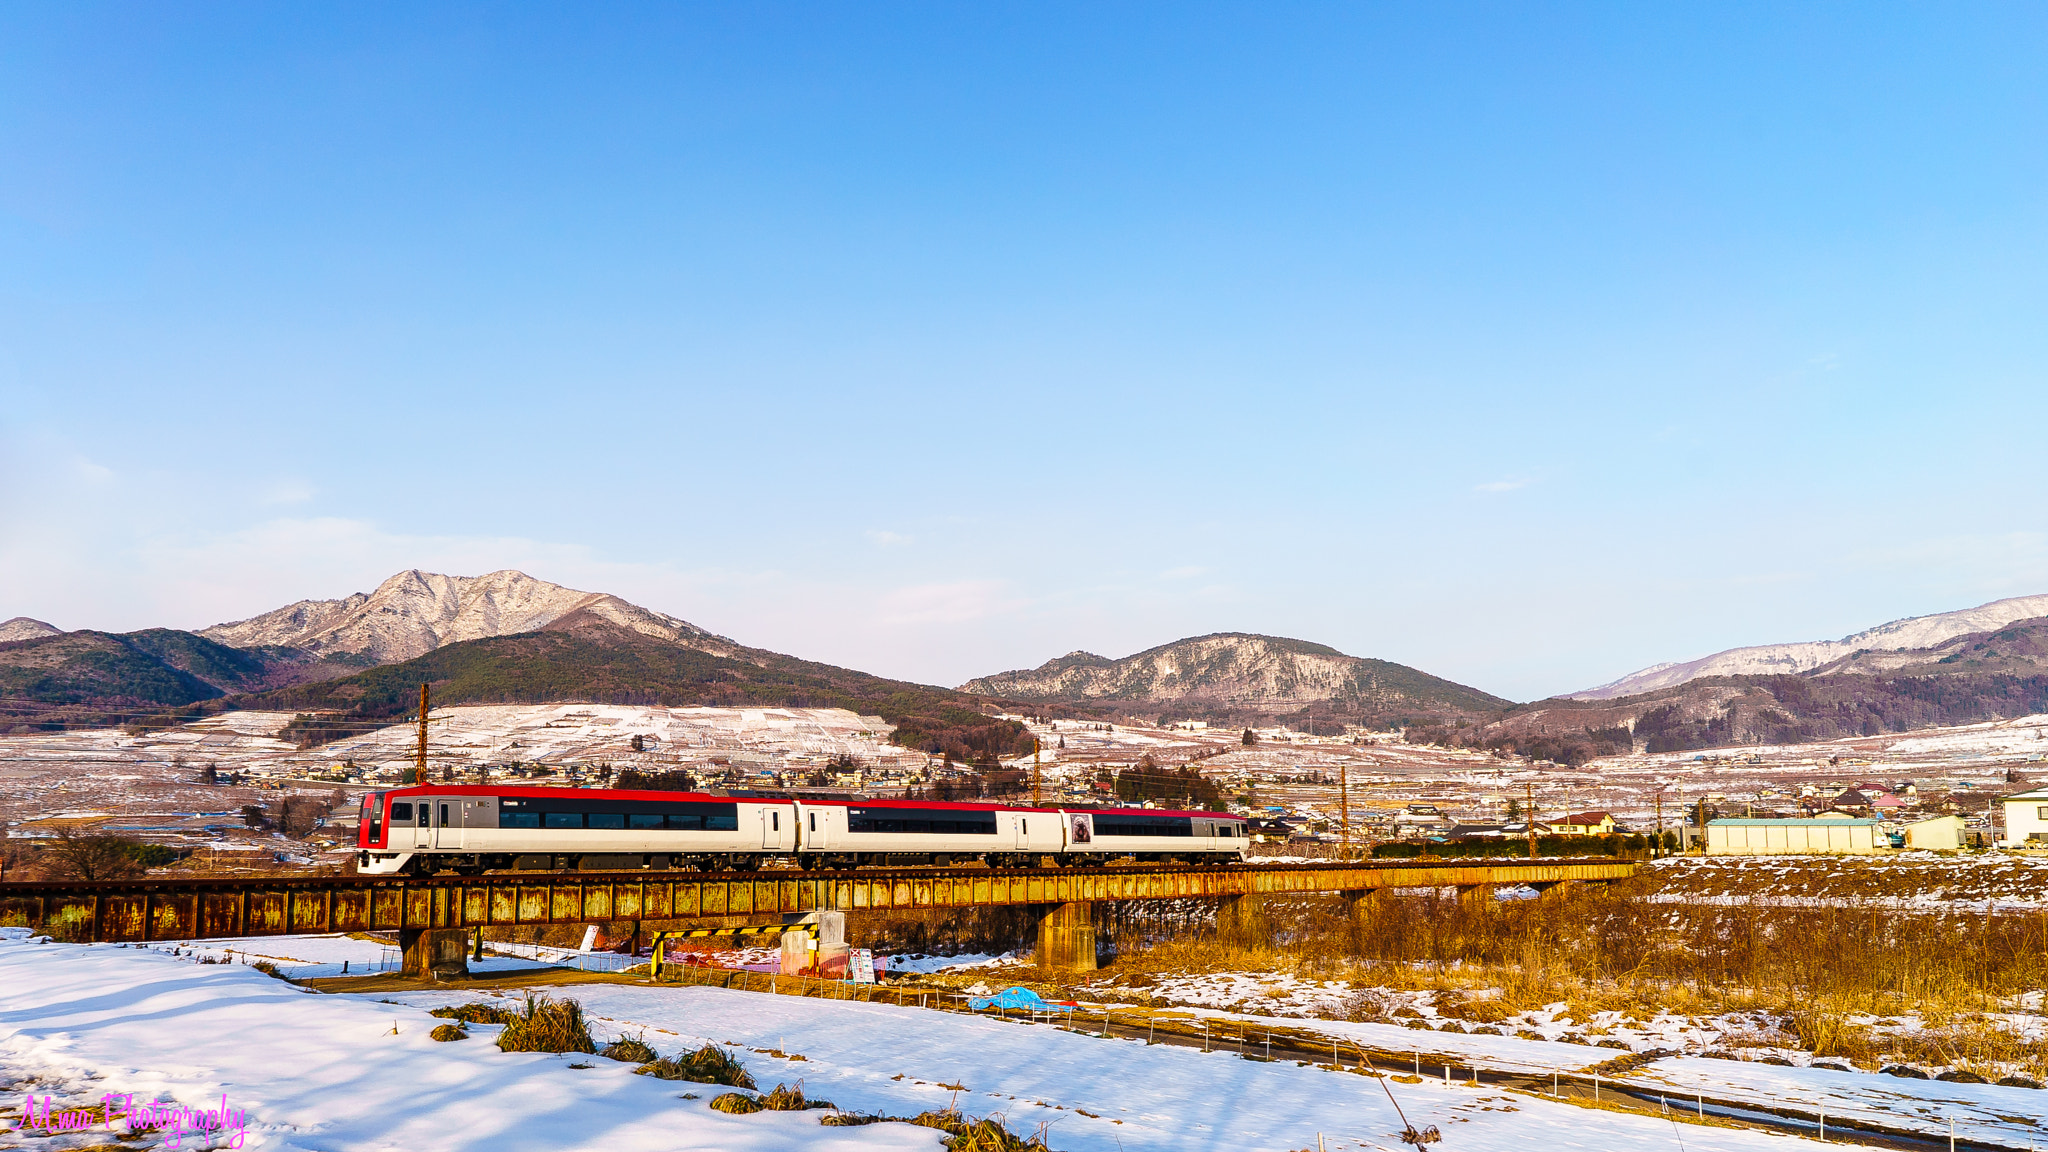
pixel 480 864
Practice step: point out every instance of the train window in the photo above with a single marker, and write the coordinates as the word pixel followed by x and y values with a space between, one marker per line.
pixel 518 819
pixel 444 816
pixel 687 823
pixel 401 812
pixel 423 813
pixel 564 819
pixel 730 822
pixel 814 821
pixel 607 820
pixel 775 821
pixel 644 820
pixel 938 822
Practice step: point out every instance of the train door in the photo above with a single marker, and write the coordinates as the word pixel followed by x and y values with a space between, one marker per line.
pixel 1023 830
pixel 775 831
pixel 445 827
pixel 409 824
pixel 817 828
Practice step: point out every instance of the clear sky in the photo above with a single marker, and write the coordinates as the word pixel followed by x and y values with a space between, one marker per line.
pixel 1526 344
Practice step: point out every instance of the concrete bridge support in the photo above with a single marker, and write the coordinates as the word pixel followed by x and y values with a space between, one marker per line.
pixel 1066 936
pixel 435 953
pixel 1475 895
pixel 1555 889
pixel 1241 921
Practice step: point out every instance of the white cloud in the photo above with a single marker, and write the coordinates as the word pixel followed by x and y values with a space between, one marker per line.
pixel 953 603
pixel 1508 485
pixel 886 538
pixel 286 492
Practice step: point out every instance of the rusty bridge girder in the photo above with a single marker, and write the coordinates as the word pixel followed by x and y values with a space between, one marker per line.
pixel 202 908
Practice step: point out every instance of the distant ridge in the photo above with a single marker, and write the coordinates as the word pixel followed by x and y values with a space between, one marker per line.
pixel 23 628
pixel 1229 674
pixel 415 612
pixel 1780 659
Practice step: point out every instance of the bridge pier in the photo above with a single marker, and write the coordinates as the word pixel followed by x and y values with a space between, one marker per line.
pixel 1066 936
pixel 435 953
pixel 1475 895
pixel 1555 889
pixel 1361 903
pixel 1241 920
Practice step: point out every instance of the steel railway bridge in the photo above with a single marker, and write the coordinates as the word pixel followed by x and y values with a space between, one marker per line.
pixel 434 915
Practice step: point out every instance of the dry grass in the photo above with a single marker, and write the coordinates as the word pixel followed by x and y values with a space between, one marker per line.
pixel 1832 975
pixel 545 1024
pixel 707 1065
pixel 630 1050
pixel 475 1012
pixel 449 1032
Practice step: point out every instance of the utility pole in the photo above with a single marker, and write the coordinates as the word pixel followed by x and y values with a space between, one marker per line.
pixel 1034 773
pixel 1529 814
pixel 1344 810
pixel 1657 849
pixel 419 770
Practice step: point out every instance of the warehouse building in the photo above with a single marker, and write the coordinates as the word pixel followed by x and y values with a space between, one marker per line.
pixel 1792 837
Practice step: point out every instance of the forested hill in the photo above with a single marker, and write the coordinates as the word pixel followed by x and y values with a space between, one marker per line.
pixel 614 666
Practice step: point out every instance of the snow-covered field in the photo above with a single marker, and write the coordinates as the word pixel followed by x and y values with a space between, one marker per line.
pixel 330 1072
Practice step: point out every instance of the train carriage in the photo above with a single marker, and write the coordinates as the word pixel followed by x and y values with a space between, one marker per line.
pixel 479 828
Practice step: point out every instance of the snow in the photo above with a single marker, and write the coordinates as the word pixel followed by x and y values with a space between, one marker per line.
pixel 303 957
pixel 313 1071
pixel 1982 1112
pixel 329 1072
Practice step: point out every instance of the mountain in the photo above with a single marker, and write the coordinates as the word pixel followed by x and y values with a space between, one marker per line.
pixel 614 664
pixel 415 612
pixel 356 663
pixel 1236 674
pixel 23 628
pixel 89 678
pixel 1967 679
pixel 1775 659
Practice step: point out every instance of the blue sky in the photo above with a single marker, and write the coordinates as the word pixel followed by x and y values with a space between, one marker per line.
pixel 1524 344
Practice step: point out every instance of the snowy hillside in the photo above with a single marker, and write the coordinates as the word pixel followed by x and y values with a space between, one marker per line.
pixel 415 612
pixel 1775 659
pixel 1233 668
pixel 23 628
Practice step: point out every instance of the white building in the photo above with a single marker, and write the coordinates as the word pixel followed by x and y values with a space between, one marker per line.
pixel 2026 819
pixel 1791 837
pixel 1942 833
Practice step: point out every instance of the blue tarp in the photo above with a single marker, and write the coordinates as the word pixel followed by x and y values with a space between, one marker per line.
pixel 1017 998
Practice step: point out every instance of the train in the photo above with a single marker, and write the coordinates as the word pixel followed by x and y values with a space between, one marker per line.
pixel 474 829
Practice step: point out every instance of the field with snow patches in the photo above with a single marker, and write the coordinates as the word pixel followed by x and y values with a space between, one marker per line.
pixel 317 1071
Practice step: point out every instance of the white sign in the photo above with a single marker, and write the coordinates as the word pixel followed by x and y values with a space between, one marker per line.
pixel 863 966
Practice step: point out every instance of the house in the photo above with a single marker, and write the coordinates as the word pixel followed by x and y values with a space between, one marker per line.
pixel 2026 819
pixel 1942 833
pixel 1848 837
pixel 1585 824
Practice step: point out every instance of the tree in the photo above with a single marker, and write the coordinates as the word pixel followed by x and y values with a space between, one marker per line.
pixel 90 857
pixel 1514 812
pixel 639 743
pixel 254 816
pixel 209 775
pixel 1248 740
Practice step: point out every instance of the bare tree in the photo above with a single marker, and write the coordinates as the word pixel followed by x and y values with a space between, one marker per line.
pixel 95 856
pixel 296 816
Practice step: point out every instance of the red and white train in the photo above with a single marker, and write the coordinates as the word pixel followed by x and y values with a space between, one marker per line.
pixel 477 828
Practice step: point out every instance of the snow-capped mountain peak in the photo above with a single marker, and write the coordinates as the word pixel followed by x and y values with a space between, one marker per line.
pixel 415 612
pixel 1778 659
